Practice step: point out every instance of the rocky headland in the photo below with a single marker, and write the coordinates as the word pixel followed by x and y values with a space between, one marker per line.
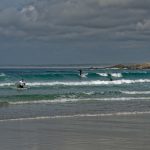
pixel 132 66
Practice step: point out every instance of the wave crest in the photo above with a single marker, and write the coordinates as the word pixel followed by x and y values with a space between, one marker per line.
pixel 74 100
pixel 88 83
pixel 79 83
pixel 79 116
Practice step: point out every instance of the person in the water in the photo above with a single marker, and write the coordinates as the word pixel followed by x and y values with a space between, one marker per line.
pixel 80 72
pixel 109 77
pixel 21 84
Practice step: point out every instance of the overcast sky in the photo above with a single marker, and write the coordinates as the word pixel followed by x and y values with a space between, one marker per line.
pixel 74 31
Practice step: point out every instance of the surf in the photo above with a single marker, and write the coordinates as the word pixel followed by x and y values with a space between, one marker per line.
pixel 78 116
pixel 77 83
pixel 87 83
pixel 74 100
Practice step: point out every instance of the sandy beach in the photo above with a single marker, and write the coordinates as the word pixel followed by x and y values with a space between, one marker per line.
pixel 78 133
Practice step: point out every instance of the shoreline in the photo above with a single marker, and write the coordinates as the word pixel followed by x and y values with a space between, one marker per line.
pixel 112 132
pixel 79 116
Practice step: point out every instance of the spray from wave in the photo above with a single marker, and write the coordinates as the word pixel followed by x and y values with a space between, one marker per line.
pixel 117 75
pixel 2 75
pixel 102 74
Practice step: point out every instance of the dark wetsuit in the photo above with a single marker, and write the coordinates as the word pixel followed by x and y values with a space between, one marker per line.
pixel 110 77
pixel 80 72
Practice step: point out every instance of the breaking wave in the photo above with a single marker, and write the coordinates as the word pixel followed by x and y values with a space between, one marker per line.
pixel 102 74
pixel 135 92
pixel 116 75
pixel 74 100
pixel 6 84
pixel 88 83
pixel 2 75
pixel 79 83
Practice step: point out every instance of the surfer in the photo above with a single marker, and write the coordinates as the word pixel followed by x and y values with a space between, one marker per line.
pixel 21 84
pixel 80 72
pixel 109 76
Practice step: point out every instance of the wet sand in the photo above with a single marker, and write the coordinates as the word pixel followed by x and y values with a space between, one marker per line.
pixel 131 132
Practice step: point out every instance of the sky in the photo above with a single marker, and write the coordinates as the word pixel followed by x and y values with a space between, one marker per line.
pixel 42 32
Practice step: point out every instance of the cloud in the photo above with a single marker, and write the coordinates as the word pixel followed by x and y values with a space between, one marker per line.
pixel 76 19
pixel 144 25
pixel 114 2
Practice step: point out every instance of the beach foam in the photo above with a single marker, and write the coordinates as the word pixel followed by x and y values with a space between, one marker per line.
pixel 78 116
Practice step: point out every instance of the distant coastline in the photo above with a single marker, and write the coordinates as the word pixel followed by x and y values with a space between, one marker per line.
pixel 83 66
pixel 55 66
pixel 132 66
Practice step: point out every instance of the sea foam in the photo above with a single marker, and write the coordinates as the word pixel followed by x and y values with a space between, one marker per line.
pixel 79 83
pixel 78 116
pixel 88 83
pixel 74 100
pixel 2 75
pixel 135 92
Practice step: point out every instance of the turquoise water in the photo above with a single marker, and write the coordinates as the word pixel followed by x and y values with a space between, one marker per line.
pixel 62 91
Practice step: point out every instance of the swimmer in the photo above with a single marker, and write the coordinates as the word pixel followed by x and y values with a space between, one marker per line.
pixel 80 72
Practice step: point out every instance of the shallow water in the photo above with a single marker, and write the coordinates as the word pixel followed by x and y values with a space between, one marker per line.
pixel 52 92
pixel 123 132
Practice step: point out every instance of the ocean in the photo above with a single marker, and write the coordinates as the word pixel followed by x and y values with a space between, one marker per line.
pixel 60 92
